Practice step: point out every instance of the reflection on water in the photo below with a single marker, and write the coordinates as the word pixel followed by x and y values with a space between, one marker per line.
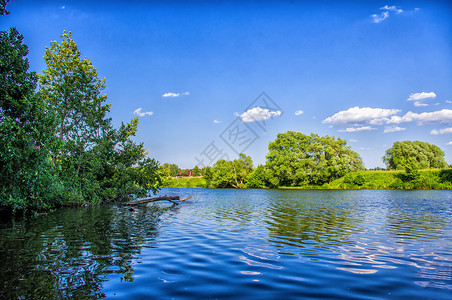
pixel 224 243
pixel 68 253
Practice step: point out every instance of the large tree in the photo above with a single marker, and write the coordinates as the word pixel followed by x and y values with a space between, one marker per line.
pixel 26 131
pixel 98 161
pixel 297 159
pixel 421 155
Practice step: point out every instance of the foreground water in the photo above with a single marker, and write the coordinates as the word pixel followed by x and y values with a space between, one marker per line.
pixel 243 244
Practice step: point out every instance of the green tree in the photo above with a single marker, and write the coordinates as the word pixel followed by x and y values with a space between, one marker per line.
pixel 196 171
pixel 258 178
pixel 232 173
pixel 297 159
pixel 424 156
pixel 98 162
pixel 27 177
pixel 208 175
pixel 3 10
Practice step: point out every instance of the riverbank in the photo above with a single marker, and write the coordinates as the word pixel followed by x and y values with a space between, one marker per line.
pixel 422 179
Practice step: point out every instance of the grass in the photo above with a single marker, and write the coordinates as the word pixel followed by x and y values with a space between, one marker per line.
pixel 423 179
pixel 186 182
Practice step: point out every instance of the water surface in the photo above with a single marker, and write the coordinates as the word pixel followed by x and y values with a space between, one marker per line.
pixel 247 244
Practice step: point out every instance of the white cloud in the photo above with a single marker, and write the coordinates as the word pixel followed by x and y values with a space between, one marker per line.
pixel 139 113
pixel 379 18
pixel 393 129
pixel 353 141
pixel 357 129
pixel 392 8
pixel 299 112
pixel 258 114
pixel 440 116
pixel 419 103
pixel 359 116
pixel 173 95
pixel 448 101
pixel 216 121
pixel 421 96
pixel 448 144
pixel 441 131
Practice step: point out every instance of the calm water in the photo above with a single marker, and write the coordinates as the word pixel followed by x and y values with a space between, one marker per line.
pixel 243 244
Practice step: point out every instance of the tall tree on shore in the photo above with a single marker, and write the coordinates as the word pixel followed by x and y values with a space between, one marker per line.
pixel 297 159
pixel 420 155
pixel 27 177
pixel 101 162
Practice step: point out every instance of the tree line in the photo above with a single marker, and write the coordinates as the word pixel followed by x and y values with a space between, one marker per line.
pixel 57 144
pixel 296 160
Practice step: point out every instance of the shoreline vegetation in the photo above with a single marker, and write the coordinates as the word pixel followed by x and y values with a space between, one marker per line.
pixel 440 179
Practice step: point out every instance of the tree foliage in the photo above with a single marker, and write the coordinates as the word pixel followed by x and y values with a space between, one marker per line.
pixel 258 178
pixel 97 161
pixel 297 159
pixel 420 155
pixel 57 146
pixel 169 170
pixel 3 10
pixel 26 135
pixel 232 173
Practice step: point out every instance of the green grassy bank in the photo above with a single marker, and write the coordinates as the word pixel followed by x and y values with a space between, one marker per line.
pixel 422 179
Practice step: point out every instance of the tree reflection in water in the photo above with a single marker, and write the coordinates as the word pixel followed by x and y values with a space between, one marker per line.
pixel 303 226
pixel 70 252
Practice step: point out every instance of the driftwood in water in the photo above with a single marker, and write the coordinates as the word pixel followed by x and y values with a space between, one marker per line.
pixel 163 198
pixel 142 201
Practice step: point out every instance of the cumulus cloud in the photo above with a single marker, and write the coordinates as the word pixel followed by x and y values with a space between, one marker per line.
pixel 448 144
pixel 141 113
pixel 258 114
pixel 216 121
pixel 440 116
pixel 441 131
pixel 393 129
pixel 173 95
pixel 358 129
pixel 299 112
pixel 418 98
pixel 421 96
pixel 356 116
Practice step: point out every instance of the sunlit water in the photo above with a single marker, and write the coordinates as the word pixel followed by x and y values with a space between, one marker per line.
pixel 242 244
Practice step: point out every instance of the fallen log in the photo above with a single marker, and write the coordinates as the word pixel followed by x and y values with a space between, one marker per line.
pixel 163 198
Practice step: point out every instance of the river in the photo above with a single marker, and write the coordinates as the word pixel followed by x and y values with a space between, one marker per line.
pixel 240 244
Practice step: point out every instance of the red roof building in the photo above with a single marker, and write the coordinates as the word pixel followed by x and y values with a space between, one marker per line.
pixel 188 172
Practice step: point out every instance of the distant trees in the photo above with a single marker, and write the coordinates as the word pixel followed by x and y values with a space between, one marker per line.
pixel 296 159
pixel 232 173
pixel 414 155
pixel 169 170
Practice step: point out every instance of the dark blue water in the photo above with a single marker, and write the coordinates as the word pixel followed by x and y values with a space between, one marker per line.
pixel 247 244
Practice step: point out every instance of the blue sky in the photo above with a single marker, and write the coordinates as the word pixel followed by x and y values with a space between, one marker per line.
pixel 370 72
